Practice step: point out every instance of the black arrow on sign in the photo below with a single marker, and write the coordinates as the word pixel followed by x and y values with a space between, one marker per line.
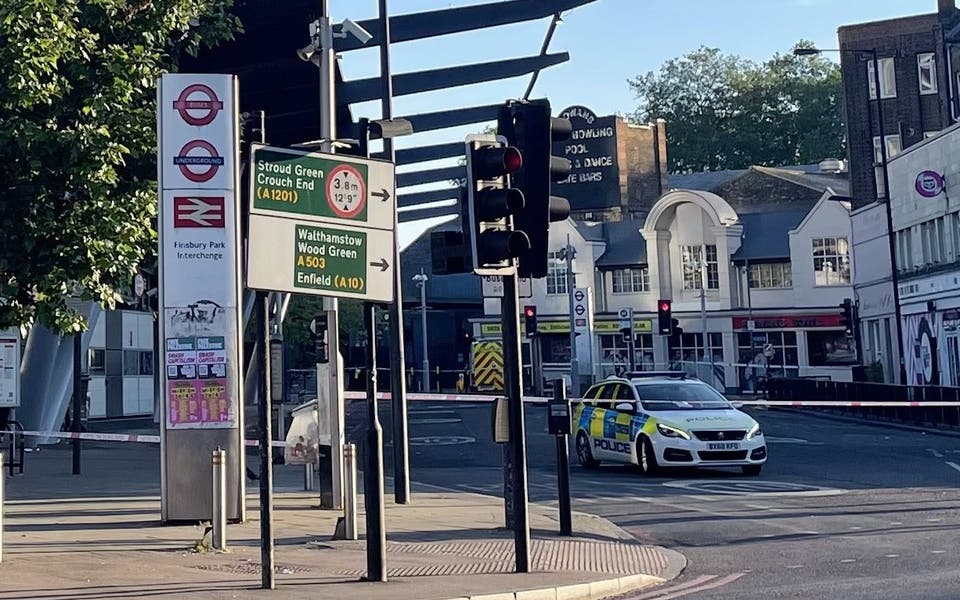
pixel 382 264
pixel 383 194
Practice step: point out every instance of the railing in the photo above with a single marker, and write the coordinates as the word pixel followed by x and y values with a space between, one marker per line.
pixel 13 447
pixel 811 390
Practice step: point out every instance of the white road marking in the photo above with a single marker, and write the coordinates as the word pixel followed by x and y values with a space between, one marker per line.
pixel 440 421
pixel 933 520
pixel 855 527
pixel 794 566
pixel 953 465
pixel 896 523
pixel 935 452
pixel 938 552
pixel 891 556
pixel 848 560
pixel 700 584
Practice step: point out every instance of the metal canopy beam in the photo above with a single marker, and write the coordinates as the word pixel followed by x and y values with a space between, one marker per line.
pixel 409 156
pixel 408 216
pixel 415 198
pixel 405 84
pixel 431 176
pixel 417 26
pixel 454 117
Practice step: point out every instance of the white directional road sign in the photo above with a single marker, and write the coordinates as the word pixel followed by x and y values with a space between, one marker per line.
pixel 492 286
pixel 321 224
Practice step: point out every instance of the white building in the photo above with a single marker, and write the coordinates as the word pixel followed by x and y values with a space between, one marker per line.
pixel 786 228
pixel 121 363
pixel 926 222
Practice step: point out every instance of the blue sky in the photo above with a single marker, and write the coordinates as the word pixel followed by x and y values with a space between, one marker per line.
pixel 609 41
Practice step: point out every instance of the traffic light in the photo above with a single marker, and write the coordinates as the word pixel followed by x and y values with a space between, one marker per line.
pixel 492 205
pixel 531 129
pixel 675 327
pixel 664 317
pixel 847 318
pixel 530 320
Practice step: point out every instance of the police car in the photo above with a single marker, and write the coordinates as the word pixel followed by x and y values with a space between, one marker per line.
pixel 664 419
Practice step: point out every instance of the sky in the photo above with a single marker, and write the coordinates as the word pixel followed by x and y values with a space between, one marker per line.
pixel 609 42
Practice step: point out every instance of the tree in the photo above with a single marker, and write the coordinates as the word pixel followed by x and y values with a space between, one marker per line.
pixel 78 144
pixel 725 112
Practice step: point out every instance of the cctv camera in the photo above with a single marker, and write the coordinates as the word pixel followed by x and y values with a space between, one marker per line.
pixel 363 36
pixel 307 52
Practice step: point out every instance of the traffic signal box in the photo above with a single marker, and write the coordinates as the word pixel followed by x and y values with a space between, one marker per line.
pixel 530 128
pixel 493 205
pixel 665 320
pixel 530 320
pixel 848 316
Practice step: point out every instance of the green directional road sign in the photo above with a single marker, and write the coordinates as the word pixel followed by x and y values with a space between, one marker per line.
pixel 321 224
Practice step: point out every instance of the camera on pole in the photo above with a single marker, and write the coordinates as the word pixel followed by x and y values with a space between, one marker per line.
pixel 493 205
pixel 529 127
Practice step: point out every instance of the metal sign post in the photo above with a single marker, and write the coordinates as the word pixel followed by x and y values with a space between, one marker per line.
pixel 373 472
pixel 266 460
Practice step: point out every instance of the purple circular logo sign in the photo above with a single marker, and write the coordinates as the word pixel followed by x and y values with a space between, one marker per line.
pixel 929 184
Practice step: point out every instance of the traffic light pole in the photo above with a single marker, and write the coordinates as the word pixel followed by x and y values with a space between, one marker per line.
pixel 398 384
pixel 516 450
pixel 571 287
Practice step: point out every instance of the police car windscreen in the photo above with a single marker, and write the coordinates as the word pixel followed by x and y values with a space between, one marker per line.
pixel 681 397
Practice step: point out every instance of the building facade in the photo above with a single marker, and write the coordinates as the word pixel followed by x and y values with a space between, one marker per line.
pixel 926 223
pixel 121 364
pixel 769 249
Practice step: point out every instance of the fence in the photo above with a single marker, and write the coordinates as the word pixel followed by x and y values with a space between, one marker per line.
pixel 862 395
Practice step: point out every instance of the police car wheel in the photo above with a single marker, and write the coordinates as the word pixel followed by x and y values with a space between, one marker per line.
pixel 752 470
pixel 647 458
pixel 584 455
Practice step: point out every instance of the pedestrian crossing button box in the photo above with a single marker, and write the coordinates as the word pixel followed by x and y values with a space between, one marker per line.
pixel 558 410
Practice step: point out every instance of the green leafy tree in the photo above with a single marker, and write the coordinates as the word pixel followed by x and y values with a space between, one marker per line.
pixel 78 143
pixel 725 112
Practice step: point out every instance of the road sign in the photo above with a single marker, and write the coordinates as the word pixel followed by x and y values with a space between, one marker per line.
pixel 321 224
pixel 322 187
pixel 492 286
pixel 626 318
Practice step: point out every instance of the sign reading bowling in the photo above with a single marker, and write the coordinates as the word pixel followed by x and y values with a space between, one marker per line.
pixel 594 180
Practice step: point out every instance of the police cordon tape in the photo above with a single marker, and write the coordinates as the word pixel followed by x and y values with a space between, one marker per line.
pixel 469 398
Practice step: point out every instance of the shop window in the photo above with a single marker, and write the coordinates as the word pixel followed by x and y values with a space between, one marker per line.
pixel 614 353
pixel 830 348
pixel 765 354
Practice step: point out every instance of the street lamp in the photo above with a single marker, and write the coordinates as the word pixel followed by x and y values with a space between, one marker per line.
pixel 700 264
pixel 891 243
pixel 567 254
pixel 421 279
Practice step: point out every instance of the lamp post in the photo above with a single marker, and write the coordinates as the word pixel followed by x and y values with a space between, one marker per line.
pixel 891 242
pixel 421 279
pixel 568 254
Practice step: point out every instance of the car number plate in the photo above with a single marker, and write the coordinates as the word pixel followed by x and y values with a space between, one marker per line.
pixel 723 446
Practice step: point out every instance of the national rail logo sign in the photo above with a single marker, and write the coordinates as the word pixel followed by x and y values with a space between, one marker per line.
pixel 198 105
pixel 205 163
pixel 199 211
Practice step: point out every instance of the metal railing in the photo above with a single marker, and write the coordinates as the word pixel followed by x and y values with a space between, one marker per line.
pixel 864 393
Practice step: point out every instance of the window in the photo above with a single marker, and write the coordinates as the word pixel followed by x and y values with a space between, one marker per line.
pixel 828 348
pixel 831 261
pixel 927 73
pixel 888 79
pixel 692 275
pixel 894 147
pixel 780 359
pixel 631 281
pixel 771 275
pixel 689 356
pixel 95 360
pixel 556 274
pixel 614 353
pixel 137 362
pixel 955 227
pixel 904 249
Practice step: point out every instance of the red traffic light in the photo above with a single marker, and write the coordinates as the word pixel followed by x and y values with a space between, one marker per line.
pixel 530 311
pixel 664 305
pixel 512 159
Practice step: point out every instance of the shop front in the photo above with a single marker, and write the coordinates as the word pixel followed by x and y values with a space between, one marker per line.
pixel 784 346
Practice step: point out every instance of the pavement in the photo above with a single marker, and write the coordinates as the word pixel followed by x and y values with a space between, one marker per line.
pixel 98 535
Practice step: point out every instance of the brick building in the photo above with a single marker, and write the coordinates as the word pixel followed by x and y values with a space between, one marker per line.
pixel 919 62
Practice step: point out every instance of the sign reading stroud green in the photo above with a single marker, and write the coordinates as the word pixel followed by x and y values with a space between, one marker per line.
pixel 309 185
pixel 321 224
pixel 330 259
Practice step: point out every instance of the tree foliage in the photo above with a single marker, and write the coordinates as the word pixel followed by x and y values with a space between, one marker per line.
pixel 78 143
pixel 725 112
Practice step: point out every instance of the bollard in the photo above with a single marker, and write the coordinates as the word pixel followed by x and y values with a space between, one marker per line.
pixel 350 491
pixel 219 499
pixel 309 478
pixel 1 506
